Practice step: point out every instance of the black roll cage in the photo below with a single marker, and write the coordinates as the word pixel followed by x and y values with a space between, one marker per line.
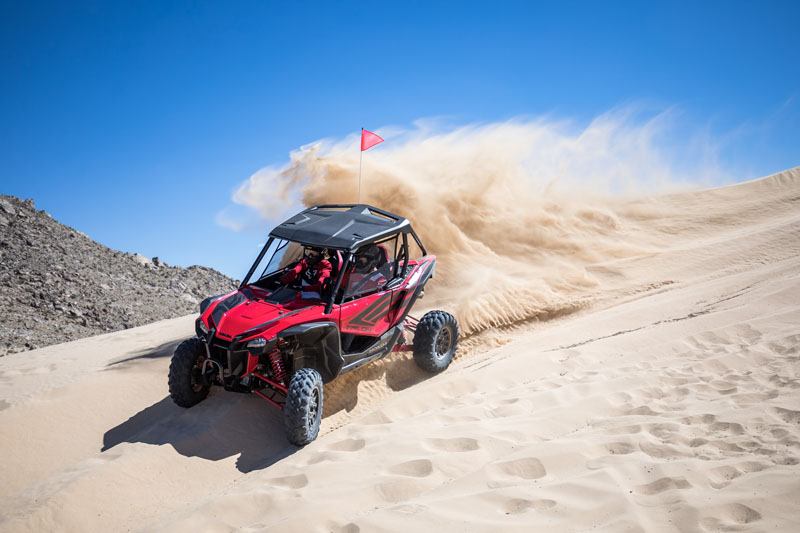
pixel 347 259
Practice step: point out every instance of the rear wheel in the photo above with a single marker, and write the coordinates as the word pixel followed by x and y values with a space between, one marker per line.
pixel 186 384
pixel 302 412
pixel 435 341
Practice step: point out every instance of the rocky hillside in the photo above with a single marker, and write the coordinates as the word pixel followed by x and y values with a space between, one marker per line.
pixel 57 284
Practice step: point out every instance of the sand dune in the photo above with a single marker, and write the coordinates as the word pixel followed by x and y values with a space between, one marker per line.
pixel 669 400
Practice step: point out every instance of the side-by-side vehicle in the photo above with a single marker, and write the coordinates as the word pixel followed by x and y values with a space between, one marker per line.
pixel 330 291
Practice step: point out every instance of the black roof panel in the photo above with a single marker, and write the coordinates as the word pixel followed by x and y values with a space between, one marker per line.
pixel 345 227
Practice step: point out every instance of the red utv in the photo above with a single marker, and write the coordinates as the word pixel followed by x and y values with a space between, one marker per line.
pixel 330 291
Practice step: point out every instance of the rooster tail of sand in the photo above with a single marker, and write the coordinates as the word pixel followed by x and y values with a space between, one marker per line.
pixel 515 212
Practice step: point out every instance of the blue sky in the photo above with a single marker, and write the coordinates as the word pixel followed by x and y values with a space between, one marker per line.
pixel 135 121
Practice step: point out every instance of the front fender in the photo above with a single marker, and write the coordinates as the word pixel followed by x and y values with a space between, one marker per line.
pixel 315 345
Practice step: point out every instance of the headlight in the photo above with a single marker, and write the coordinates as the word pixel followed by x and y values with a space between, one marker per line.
pixel 202 327
pixel 257 343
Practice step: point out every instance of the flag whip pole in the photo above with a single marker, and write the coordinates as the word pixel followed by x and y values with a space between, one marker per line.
pixel 360 159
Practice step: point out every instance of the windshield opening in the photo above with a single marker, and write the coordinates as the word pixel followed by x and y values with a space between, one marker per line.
pixel 290 270
pixel 279 254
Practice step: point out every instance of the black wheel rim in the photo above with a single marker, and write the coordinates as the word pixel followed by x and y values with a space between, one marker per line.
pixel 443 342
pixel 313 405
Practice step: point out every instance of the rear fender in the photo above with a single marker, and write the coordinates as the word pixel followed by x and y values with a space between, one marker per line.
pixel 315 345
pixel 412 288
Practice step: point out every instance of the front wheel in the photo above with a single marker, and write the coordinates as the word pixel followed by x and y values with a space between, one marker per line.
pixel 435 341
pixel 186 384
pixel 302 412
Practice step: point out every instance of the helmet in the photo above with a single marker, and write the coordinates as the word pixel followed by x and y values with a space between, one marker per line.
pixel 368 258
pixel 314 253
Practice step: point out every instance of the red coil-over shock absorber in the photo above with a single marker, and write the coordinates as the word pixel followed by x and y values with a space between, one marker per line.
pixel 278 368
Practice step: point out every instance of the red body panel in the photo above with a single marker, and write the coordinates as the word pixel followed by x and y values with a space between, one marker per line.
pixel 370 315
pixel 366 316
pixel 255 312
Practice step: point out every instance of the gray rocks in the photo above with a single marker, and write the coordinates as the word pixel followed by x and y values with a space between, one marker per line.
pixel 57 285
pixel 142 260
pixel 7 207
pixel 189 298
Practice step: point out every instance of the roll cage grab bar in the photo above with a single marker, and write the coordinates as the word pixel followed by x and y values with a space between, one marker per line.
pixel 347 258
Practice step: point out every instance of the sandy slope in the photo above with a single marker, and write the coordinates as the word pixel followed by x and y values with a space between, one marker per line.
pixel 672 403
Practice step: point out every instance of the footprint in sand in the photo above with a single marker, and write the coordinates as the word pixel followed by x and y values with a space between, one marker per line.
pixel 398 490
pixel 680 392
pixel 642 410
pixel 521 505
pixel 749 398
pixel 509 401
pixel 785 460
pixel 320 457
pixel 699 419
pixel 620 448
pixel 726 446
pixel 723 387
pixel 660 451
pixel 347 445
pixel 752 466
pixel 789 416
pixel 663 431
pixel 350 527
pixel 730 516
pixel 727 427
pixel 503 411
pixel 290 482
pixel 523 468
pixel 722 476
pixel 620 399
pixel 779 433
pixel 783 382
pixel 458 444
pixel 664 484
pixel 676 381
pixel 415 468
pixel 747 334
pixel 790 345
pixel 624 430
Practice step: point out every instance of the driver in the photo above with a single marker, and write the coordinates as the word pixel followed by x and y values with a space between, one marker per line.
pixel 312 271
pixel 368 259
pixel 364 275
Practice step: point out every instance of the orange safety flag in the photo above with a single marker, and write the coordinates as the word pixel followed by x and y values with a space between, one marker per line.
pixel 369 139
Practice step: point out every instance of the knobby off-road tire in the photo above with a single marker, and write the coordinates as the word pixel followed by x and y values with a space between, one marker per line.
pixel 435 341
pixel 186 386
pixel 302 412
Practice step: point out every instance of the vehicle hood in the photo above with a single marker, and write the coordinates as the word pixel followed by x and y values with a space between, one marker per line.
pixel 244 313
